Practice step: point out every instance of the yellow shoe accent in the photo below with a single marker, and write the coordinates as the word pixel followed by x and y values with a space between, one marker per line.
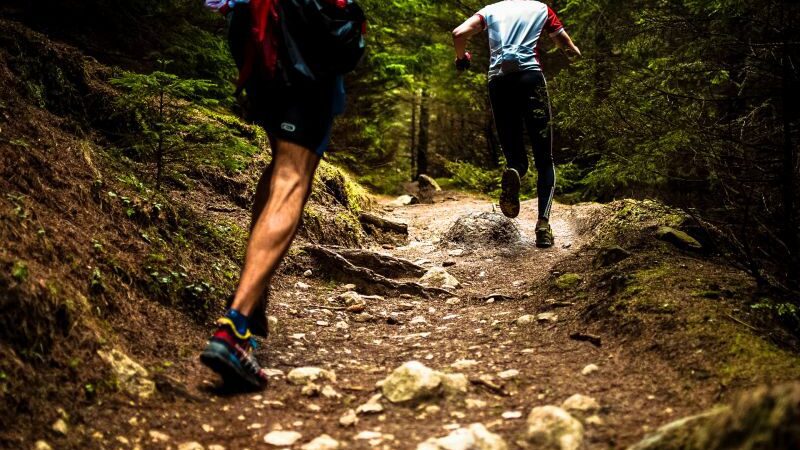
pixel 229 322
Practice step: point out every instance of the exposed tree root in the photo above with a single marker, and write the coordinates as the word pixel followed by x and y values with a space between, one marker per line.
pixel 383 223
pixel 386 265
pixel 367 280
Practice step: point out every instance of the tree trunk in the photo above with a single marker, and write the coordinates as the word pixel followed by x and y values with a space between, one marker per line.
pixel 422 142
pixel 789 163
pixel 413 136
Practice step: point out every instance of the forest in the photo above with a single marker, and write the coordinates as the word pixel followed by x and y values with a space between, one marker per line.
pixel 408 313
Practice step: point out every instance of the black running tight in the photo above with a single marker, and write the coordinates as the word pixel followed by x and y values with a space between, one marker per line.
pixel 520 103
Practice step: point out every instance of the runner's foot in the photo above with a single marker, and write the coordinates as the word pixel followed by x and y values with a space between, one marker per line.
pixel 509 197
pixel 230 354
pixel 544 234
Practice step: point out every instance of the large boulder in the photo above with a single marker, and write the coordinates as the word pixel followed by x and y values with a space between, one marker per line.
pixel 765 418
pixel 485 228
pixel 552 428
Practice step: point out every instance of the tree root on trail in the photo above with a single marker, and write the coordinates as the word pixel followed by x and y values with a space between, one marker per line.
pixel 368 280
pixel 383 223
pixel 388 266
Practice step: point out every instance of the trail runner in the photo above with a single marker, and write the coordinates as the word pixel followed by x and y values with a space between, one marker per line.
pixel 295 101
pixel 518 94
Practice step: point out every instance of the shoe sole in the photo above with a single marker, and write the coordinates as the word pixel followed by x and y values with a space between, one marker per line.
pixel 217 358
pixel 509 197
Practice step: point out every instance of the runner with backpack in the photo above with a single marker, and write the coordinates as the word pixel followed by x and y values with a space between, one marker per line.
pixel 292 55
pixel 518 94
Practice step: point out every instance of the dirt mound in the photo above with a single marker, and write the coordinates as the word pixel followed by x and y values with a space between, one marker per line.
pixel 483 228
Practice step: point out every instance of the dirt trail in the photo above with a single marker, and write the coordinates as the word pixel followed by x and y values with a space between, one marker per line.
pixel 635 391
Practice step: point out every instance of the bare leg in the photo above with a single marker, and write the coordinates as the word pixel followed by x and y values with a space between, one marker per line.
pixel 280 198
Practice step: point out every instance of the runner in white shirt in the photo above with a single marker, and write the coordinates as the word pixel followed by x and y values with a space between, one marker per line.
pixel 518 92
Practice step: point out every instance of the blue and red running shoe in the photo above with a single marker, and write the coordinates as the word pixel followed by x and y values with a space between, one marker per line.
pixel 230 354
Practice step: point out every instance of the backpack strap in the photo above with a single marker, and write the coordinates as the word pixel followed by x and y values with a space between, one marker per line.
pixel 263 43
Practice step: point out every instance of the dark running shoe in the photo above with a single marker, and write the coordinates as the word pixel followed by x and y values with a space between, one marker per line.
pixel 544 236
pixel 231 356
pixel 509 197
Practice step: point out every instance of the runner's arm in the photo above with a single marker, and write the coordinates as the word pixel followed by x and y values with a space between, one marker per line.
pixel 466 30
pixel 564 42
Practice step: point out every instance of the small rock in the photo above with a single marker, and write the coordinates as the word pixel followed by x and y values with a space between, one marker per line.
pixel 131 376
pixel 273 325
pixel 305 375
pixel 678 238
pixel 368 435
pixel 475 437
pixel 342 325
pixel 330 393
pixel 552 428
pixel 581 406
pixel 207 428
pixel 60 426
pixel 511 415
pixel 216 447
pixel 463 364
pixel 454 384
pixel 348 419
pixel 349 287
pixel 158 436
pixel 404 200
pixel 547 317
pixel 311 389
pixel 439 277
pixel 418 320
pixel 453 301
pixel 590 369
pixel 322 323
pixel 282 438
pixel 192 445
pixel 411 382
pixel 323 442
pixel 302 286
pixel 373 406
pixel 456 252
pixel 42 445
pixel 527 319
pixel 595 420
pixel 508 374
pixel 308 273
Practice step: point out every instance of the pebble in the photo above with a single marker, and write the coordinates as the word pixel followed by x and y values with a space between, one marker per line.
pixel 581 406
pixel 508 374
pixel 42 445
pixel 527 319
pixel 282 438
pixel 304 375
pixel 348 419
pixel 453 301
pixel 60 427
pixel 307 273
pixel 158 436
pixel 550 427
pixel 511 415
pixel 463 364
pixel 342 325
pixel 547 317
pixel 323 442
pixel 368 435
pixel 411 381
pixel 302 286
pixel 590 369
pixel 475 437
pixel 192 445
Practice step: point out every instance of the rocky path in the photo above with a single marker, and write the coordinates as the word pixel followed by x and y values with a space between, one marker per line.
pixel 490 367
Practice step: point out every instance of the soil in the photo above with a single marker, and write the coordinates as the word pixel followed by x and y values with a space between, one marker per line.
pixel 638 390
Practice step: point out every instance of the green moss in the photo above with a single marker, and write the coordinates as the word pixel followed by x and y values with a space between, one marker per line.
pixel 750 358
pixel 568 281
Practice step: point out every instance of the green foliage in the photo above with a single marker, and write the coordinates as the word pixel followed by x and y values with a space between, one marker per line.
pixel 175 125
pixel 20 271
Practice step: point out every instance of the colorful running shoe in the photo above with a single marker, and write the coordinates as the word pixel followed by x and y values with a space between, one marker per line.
pixel 509 195
pixel 230 354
